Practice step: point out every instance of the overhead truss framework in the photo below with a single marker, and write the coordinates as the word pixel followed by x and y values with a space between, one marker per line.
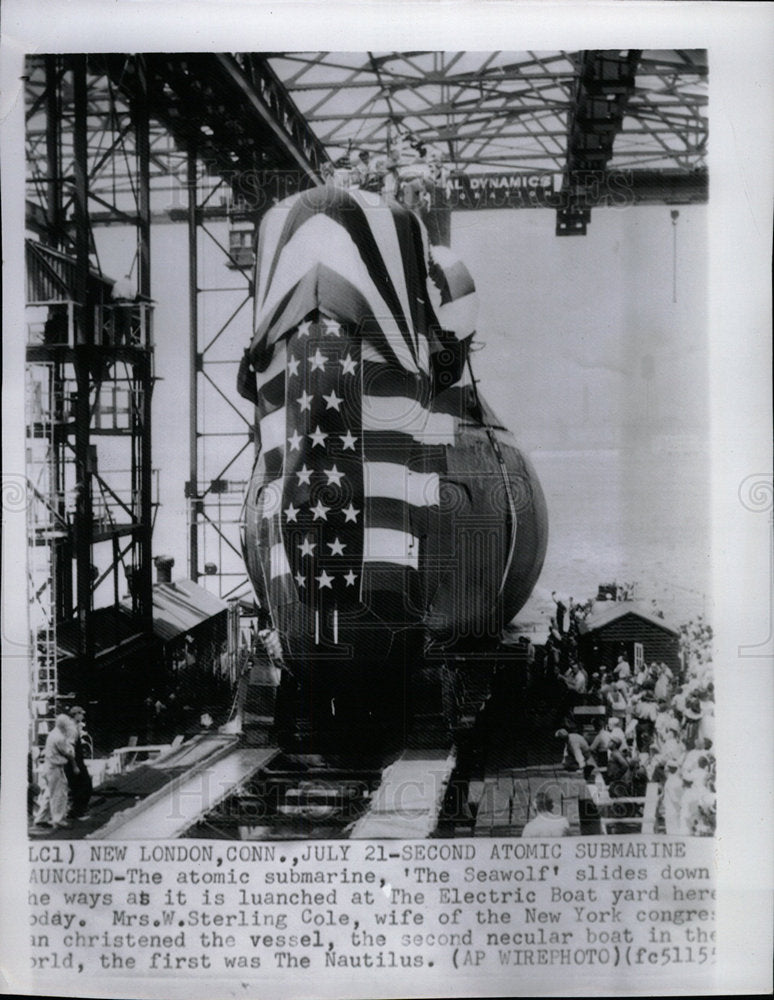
pixel 222 139
pixel 495 109
pixel 266 123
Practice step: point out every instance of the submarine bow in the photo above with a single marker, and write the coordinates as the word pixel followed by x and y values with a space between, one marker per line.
pixel 387 508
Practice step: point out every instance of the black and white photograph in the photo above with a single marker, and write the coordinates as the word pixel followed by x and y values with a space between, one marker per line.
pixel 363 518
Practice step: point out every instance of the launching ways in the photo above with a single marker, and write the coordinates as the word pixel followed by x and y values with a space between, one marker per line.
pixel 170 811
pixel 238 785
pixel 408 802
pixel 237 792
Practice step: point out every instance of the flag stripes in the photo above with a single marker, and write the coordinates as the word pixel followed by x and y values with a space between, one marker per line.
pixel 399 413
pixel 323 240
pixel 316 214
pixel 388 545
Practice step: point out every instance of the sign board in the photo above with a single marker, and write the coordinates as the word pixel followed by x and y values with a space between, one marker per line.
pixel 503 190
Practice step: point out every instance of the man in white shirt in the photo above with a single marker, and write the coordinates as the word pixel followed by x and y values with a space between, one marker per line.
pixel 672 798
pixel 59 750
pixel 604 737
pixel 577 683
pixel 546 823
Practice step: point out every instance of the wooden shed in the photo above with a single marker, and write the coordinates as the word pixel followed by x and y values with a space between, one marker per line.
pixel 633 629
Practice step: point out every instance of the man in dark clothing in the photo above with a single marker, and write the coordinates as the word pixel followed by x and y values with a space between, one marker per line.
pixel 78 778
pixel 618 771
pixel 559 617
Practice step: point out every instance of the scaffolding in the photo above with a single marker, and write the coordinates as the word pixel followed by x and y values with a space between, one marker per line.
pixel 47 528
pixel 89 376
pixel 70 499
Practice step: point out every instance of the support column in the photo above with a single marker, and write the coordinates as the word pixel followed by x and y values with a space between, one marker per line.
pixel 143 369
pixel 62 550
pixel 84 339
pixel 194 365
pixel 53 151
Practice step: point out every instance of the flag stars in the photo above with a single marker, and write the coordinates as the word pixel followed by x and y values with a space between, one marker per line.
pixel 304 475
pixel 347 441
pixel 337 547
pixel 305 401
pixel 317 361
pixel 350 514
pixel 291 513
pixel 307 547
pixel 334 476
pixel 324 580
pixel 320 511
pixel 300 581
pixel 293 364
pixel 304 328
pixel 318 438
pixel 295 441
pixel 332 401
pixel 350 578
pixel 332 326
pixel 348 365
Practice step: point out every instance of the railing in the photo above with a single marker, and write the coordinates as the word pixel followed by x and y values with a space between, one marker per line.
pixel 123 323
pixel 53 328
pixel 116 324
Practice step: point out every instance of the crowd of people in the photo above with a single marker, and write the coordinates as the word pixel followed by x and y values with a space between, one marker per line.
pixel 410 172
pixel 656 722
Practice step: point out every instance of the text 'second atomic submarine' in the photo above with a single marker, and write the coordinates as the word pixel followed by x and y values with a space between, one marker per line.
pixel 390 520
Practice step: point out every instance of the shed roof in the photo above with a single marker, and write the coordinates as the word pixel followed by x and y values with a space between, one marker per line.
pixel 180 606
pixel 611 611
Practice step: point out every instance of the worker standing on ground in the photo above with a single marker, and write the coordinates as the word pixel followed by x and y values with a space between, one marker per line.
pixel 76 772
pixel 58 751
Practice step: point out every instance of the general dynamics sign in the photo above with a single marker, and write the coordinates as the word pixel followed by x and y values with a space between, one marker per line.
pixel 535 190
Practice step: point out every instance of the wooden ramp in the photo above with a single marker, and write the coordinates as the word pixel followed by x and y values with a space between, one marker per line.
pixel 502 801
pixel 174 808
pixel 409 799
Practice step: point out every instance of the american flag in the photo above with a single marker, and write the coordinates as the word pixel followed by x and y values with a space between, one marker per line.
pixel 361 391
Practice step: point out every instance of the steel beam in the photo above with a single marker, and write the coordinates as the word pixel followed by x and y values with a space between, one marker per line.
pixel 84 335
pixel 193 370
pixel 605 83
pixel 234 110
pixel 143 472
pixel 53 150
